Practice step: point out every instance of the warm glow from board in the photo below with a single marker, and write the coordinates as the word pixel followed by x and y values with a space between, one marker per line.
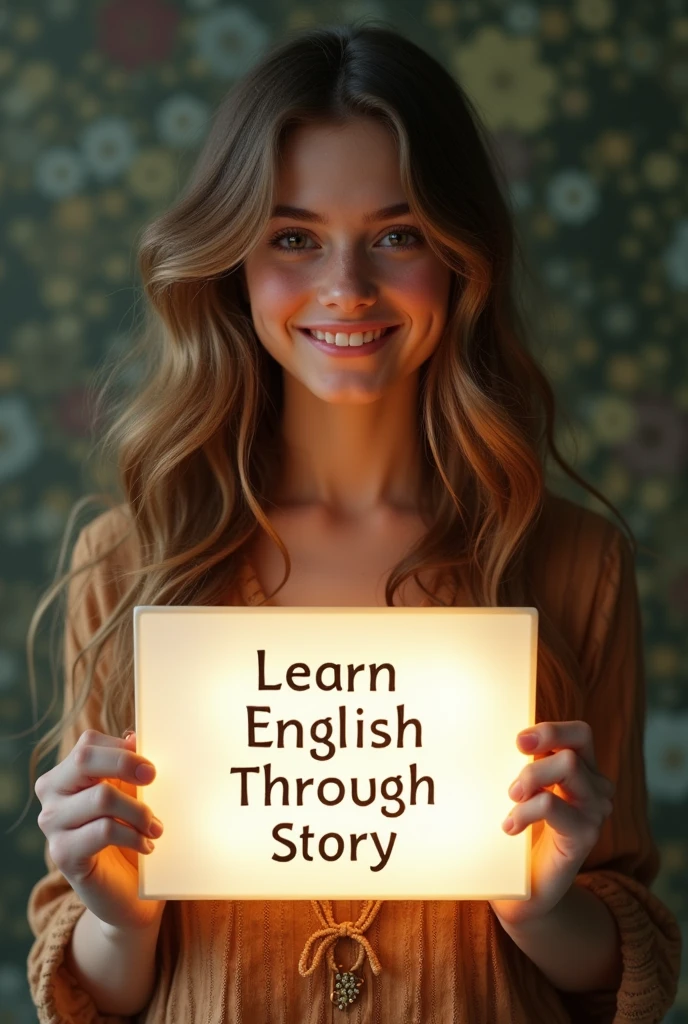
pixel 433 726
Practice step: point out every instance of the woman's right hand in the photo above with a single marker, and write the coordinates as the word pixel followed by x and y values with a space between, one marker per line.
pixel 96 827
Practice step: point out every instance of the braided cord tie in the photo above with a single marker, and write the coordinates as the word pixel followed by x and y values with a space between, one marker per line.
pixel 333 931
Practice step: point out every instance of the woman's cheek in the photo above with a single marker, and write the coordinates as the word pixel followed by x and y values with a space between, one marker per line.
pixel 275 297
pixel 424 285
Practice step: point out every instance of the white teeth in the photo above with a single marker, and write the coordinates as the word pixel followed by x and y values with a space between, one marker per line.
pixel 344 340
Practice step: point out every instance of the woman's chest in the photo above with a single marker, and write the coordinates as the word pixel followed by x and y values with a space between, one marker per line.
pixel 345 566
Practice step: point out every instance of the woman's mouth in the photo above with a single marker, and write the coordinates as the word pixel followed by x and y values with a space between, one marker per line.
pixel 335 347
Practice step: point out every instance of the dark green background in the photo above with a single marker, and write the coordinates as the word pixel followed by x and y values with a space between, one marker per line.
pixel 102 109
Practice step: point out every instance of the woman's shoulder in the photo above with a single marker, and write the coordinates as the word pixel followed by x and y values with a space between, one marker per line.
pixel 579 562
pixel 107 549
pixel 115 526
pixel 573 538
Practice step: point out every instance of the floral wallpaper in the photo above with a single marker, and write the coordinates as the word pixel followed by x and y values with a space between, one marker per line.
pixel 103 107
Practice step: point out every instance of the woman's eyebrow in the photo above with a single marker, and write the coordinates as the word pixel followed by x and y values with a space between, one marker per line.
pixel 298 213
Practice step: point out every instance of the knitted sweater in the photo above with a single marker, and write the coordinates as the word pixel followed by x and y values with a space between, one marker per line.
pixel 237 961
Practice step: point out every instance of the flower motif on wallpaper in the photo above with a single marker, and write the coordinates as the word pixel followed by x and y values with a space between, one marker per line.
pixel 34 82
pixel 509 84
pixel 108 147
pixel 229 40
pixel 134 33
pixel 59 172
pixel 181 120
pixel 572 196
pixel 611 417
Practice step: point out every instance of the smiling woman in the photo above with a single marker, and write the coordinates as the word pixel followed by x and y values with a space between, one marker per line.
pixel 353 270
pixel 277 451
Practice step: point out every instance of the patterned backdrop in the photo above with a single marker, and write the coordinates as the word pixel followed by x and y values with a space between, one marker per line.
pixel 103 108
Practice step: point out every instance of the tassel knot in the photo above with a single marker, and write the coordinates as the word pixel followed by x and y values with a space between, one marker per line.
pixel 335 930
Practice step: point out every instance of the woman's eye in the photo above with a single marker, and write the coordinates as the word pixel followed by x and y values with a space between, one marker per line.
pixel 290 233
pixel 409 232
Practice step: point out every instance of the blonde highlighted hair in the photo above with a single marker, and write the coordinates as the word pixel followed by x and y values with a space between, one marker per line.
pixel 195 445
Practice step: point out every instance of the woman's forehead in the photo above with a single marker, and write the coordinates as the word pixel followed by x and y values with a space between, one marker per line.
pixel 349 170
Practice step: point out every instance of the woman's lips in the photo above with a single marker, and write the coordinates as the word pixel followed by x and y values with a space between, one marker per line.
pixel 349 350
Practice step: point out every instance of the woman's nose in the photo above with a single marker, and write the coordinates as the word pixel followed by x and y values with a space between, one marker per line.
pixel 349 279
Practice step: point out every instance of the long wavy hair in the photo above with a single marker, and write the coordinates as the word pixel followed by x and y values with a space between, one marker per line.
pixel 195 444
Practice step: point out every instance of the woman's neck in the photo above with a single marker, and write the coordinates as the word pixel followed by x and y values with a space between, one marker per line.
pixel 353 460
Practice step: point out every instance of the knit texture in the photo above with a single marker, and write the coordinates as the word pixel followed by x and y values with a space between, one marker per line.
pixel 442 961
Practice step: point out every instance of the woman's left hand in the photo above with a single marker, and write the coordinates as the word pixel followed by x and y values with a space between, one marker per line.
pixel 567 800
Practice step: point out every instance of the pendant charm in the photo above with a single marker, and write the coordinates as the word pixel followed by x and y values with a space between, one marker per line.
pixel 345 989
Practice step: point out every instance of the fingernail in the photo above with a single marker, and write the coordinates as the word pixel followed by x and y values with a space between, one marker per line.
pixel 508 824
pixel 516 791
pixel 528 740
pixel 145 772
pixel 128 733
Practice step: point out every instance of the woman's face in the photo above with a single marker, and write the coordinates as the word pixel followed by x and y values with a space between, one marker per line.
pixel 342 269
